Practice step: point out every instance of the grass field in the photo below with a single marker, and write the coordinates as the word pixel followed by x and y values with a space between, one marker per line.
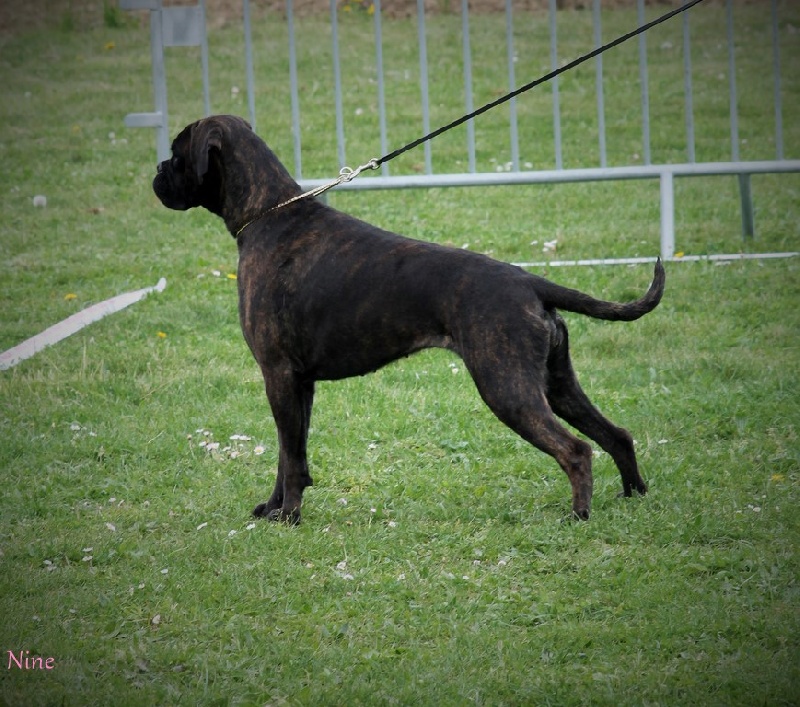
pixel 432 566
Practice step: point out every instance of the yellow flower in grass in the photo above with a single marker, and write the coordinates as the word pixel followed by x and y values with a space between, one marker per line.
pixel 70 296
pixel 161 335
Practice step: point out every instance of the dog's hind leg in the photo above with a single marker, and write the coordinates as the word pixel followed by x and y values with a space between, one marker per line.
pixel 291 400
pixel 570 403
pixel 515 395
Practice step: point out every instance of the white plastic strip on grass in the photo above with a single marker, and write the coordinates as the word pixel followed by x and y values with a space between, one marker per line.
pixel 676 259
pixel 76 322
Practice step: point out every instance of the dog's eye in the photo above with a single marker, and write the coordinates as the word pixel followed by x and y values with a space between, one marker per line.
pixel 177 163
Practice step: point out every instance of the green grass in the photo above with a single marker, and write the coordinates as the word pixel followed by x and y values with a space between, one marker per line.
pixel 432 565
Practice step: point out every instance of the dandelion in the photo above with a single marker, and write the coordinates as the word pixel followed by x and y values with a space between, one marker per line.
pixel 70 296
pixel 231 276
pixel 161 335
pixel 108 46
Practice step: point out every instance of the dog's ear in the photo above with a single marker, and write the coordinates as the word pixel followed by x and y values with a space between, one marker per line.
pixel 207 134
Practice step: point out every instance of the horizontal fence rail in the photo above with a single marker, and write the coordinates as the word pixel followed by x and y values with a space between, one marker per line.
pixel 333 64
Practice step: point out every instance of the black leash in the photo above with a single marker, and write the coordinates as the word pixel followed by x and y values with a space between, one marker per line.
pixel 374 164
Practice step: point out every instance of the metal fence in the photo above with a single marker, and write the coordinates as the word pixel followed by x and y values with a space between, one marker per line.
pixel 185 26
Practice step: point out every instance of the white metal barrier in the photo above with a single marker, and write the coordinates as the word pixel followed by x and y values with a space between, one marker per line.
pixel 186 26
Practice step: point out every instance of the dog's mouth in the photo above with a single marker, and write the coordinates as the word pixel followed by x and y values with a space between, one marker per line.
pixel 164 188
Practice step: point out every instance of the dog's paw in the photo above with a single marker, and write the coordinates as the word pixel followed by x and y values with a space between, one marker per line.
pixel 277 515
pixel 262 510
pixel 582 514
pixel 627 492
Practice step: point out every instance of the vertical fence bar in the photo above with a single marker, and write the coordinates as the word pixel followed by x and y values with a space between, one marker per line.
pixel 513 128
pixel 159 82
pixel 687 89
pixel 468 104
pixel 295 92
pixel 423 82
pixel 337 86
pixel 204 60
pixel 643 80
pixel 379 72
pixel 776 64
pixel 732 82
pixel 745 193
pixel 748 217
pixel 601 113
pixel 667 215
pixel 554 84
pixel 248 58
pixel 512 84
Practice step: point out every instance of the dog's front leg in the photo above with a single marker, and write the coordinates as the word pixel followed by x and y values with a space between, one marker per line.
pixel 291 400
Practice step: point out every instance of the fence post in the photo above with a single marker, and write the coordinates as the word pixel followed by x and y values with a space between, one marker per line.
pixel 667 215
pixel 158 118
pixel 180 26
pixel 748 221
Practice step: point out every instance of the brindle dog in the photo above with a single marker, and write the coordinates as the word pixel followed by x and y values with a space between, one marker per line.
pixel 324 296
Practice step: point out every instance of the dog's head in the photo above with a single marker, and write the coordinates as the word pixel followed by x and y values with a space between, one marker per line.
pixel 219 163
pixel 192 176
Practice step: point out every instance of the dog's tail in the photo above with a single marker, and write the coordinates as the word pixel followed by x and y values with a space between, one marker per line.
pixel 574 301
